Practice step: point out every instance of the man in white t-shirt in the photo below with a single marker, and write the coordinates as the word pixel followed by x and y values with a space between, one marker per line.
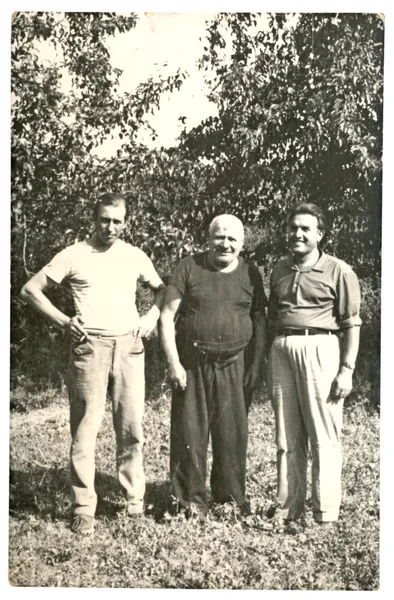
pixel 107 353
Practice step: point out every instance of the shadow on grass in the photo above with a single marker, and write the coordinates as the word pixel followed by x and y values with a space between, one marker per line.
pixel 45 492
pixel 156 499
pixel 40 491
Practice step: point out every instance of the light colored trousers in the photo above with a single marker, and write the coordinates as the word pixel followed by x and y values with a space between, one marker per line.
pixel 116 365
pixel 300 373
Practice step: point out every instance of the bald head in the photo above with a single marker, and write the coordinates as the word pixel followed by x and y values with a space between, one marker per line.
pixel 226 237
pixel 227 222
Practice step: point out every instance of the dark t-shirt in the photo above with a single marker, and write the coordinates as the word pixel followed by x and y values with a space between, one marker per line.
pixel 216 309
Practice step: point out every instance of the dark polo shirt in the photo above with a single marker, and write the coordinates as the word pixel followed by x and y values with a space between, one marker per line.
pixel 327 296
pixel 217 308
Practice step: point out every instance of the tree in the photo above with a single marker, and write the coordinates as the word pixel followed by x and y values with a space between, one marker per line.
pixel 299 119
pixel 63 110
pixel 300 104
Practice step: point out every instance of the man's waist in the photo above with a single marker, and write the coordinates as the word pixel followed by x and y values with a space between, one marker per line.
pixel 287 331
pixel 224 349
pixel 107 333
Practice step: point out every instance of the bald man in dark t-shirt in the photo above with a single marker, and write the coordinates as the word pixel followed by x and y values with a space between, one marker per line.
pixel 214 310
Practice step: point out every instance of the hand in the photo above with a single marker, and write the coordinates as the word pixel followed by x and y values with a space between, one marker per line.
pixel 342 384
pixel 146 326
pixel 77 332
pixel 177 376
pixel 252 376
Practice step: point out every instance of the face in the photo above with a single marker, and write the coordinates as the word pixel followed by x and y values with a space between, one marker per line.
pixel 225 243
pixel 303 234
pixel 110 223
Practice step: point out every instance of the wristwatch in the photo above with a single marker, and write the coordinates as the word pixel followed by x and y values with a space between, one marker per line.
pixel 347 365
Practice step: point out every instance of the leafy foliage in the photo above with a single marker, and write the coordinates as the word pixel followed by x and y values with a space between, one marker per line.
pixel 299 118
pixel 63 110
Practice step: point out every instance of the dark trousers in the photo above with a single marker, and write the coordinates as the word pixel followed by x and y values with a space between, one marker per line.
pixel 213 402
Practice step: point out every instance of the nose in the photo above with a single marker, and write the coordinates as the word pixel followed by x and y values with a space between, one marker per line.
pixel 298 233
pixel 225 243
pixel 111 226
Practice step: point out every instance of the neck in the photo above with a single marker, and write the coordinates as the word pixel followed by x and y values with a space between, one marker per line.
pixel 97 244
pixel 224 268
pixel 307 260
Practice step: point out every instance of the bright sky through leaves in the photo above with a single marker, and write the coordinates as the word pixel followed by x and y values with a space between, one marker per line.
pixel 159 45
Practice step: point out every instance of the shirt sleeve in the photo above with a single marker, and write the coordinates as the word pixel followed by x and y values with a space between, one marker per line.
pixel 59 267
pixel 147 270
pixel 348 299
pixel 180 276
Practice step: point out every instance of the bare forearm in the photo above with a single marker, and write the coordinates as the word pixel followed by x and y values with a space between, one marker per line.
pixel 157 304
pixel 39 302
pixel 350 345
pixel 343 382
pixel 167 332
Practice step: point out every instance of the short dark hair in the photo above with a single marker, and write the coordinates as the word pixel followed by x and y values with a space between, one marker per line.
pixel 307 208
pixel 109 199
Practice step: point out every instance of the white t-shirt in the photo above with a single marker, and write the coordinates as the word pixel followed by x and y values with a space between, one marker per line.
pixel 103 284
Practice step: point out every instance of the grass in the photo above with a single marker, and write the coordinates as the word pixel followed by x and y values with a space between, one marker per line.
pixel 227 551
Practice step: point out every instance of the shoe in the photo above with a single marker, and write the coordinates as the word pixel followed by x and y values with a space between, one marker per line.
pixel 196 513
pixel 135 511
pixel 173 506
pixel 274 524
pixel 230 511
pixel 82 524
pixel 326 524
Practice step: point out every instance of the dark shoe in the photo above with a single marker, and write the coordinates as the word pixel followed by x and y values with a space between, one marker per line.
pixel 196 513
pixel 230 511
pixel 82 524
pixel 173 506
pixel 274 524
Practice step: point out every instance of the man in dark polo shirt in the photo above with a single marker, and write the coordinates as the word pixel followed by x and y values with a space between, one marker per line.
pixel 314 317
pixel 214 309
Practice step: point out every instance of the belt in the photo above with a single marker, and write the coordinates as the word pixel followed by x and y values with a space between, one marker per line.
pixel 309 331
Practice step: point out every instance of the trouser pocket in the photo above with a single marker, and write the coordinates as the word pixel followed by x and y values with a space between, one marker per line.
pixel 82 349
pixel 136 347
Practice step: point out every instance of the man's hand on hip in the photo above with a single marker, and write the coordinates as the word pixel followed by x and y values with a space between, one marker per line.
pixel 177 376
pixel 77 332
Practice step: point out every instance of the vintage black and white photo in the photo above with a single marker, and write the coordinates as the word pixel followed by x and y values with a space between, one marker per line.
pixel 196 214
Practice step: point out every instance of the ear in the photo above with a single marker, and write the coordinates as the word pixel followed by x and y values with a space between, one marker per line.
pixel 320 234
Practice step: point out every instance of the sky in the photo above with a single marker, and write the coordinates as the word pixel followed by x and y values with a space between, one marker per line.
pixel 159 45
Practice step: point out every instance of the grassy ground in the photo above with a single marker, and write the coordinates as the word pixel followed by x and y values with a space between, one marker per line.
pixel 225 552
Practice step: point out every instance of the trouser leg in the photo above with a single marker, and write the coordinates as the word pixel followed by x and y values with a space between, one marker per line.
pixel 88 371
pixel 189 441
pixel 291 435
pixel 229 433
pixel 323 419
pixel 127 391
